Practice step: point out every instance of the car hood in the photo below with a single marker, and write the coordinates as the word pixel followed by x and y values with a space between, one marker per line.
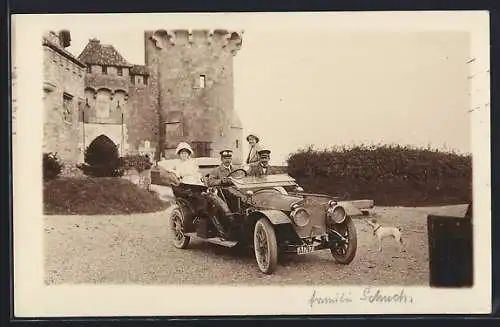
pixel 271 199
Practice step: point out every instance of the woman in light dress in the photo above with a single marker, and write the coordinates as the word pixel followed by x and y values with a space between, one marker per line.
pixel 253 152
pixel 185 168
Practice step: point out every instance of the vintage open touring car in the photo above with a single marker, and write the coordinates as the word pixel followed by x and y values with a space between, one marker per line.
pixel 271 214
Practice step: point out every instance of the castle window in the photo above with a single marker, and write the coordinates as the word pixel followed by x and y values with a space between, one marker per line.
pixel 173 125
pixel 105 70
pixel 174 129
pixel 119 71
pixel 138 80
pixel 103 104
pixel 202 149
pixel 202 81
pixel 237 144
pixel 67 111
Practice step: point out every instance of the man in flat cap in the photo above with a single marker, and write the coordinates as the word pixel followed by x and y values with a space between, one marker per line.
pixel 219 177
pixel 262 168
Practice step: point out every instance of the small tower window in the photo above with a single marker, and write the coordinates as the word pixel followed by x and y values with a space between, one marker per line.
pixel 202 81
pixel 237 144
pixel 67 110
pixel 202 149
pixel 105 70
pixel 119 71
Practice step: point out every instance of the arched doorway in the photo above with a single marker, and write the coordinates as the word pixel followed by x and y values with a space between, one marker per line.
pixel 102 151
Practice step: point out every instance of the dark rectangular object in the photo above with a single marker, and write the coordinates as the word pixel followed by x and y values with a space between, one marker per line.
pixel 203 228
pixel 450 251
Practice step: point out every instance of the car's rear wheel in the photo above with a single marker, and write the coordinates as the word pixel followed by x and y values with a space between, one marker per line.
pixel 265 246
pixel 179 240
pixel 344 251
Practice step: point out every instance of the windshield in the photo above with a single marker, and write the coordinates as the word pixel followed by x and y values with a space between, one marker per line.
pixel 269 181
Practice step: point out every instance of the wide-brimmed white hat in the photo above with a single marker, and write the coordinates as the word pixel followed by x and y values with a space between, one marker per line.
pixel 183 146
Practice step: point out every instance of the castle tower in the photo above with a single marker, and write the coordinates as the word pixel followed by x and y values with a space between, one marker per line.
pixel 107 84
pixel 192 75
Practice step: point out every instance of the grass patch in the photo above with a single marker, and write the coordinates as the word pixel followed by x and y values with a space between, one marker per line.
pixel 98 196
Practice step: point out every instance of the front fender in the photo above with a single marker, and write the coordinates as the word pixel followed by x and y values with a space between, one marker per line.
pixel 276 217
pixel 350 209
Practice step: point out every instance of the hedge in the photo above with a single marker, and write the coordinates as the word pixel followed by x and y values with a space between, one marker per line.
pixel 388 174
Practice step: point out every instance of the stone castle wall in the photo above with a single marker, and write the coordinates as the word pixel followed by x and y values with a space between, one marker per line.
pixel 176 60
pixel 142 116
pixel 62 78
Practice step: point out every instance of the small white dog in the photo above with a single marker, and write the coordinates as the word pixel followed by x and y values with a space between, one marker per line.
pixel 382 232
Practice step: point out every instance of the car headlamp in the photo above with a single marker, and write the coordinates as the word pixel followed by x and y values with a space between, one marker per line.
pixel 337 214
pixel 332 203
pixel 300 217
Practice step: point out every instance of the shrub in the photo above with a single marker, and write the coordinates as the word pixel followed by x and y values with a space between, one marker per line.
pixel 102 159
pixel 52 167
pixel 389 174
pixel 137 162
pixel 104 170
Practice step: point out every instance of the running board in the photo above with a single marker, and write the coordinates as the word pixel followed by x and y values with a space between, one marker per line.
pixel 214 240
pixel 218 241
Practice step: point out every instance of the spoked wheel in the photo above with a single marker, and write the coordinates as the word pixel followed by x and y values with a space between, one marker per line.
pixel 265 246
pixel 179 240
pixel 344 251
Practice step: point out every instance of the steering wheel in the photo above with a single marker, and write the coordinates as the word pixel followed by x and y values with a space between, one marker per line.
pixel 237 173
pixel 271 189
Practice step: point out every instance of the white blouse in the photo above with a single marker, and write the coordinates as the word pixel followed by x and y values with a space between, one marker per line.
pixel 186 170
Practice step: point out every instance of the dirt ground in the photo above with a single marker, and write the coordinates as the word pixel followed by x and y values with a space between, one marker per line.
pixel 137 249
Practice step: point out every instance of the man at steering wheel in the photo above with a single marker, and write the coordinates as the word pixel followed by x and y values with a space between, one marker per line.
pixel 220 177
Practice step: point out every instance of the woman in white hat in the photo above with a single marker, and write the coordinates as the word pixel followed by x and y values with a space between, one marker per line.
pixel 185 168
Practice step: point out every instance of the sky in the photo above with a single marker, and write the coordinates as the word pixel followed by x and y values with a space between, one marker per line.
pixel 299 87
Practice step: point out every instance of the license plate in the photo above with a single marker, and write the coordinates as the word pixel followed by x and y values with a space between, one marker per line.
pixel 305 249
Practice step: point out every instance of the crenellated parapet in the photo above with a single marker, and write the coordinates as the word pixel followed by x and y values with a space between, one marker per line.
pixel 225 39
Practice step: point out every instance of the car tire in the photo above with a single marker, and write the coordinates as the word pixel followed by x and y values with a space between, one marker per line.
pixel 265 246
pixel 345 254
pixel 176 224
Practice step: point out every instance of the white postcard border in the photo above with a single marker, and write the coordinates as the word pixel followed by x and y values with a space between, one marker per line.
pixel 34 299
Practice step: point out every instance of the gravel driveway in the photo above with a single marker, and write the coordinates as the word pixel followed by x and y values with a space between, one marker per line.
pixel 136 249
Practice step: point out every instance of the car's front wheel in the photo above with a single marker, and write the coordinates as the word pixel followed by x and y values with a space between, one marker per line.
pixel 179 240
pixel 344 248
pixel 265 246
